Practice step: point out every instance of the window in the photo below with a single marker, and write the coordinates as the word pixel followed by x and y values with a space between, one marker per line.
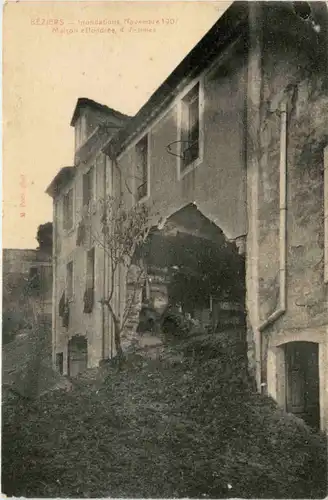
pixel 68 210
pixel 34 278
pixel 80 131
pixel 34 271
pixel 90 282
pixel 88 187
pixel 69 280
pixel 60 362
pixel 141 173
pixel 190 127
pixel 90 268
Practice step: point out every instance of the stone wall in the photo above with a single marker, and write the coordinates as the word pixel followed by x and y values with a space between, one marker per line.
pixel 291 72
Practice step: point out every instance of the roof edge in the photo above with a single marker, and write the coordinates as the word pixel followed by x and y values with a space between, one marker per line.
pixel 58 179
pixel 85 101
pixel 224 30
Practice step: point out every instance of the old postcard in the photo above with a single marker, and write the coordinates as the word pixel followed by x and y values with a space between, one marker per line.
pixel 165 249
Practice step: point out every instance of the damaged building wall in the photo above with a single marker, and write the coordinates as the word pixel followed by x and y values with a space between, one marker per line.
pixel 217 184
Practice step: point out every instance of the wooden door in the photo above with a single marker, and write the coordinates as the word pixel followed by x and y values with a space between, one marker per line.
pixel 302 377
pixel 77 355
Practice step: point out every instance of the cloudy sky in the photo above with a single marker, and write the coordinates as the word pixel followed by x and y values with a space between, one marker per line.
pixel 46 69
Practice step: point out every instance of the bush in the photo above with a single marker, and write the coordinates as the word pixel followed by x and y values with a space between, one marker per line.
pixel 162 429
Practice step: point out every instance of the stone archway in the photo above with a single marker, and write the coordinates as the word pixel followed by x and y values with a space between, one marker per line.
pixel 77 355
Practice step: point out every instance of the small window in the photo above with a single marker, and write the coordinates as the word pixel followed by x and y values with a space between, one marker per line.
pixel 34 271
pixel 190 128
pixel 34 277
pixel 69 278
pixel 80 131
pixel 90 274
pixel 68 210
pixel 90 282
pixel 141 172
pixel 60 362
pixel 88 187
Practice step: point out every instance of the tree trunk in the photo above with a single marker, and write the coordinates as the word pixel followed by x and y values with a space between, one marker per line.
pixel 118 345
pixel 117 336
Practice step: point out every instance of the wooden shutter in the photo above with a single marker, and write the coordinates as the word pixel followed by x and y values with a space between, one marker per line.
pixel 88 187
pixel 68 209
pixel 142 167
pixel 69 280
pixel 91 269
pixel 190 126
pixel 295 380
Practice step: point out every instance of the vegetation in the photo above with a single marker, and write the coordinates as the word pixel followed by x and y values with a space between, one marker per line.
pixel 122 230
pixel 188 425
pixel 26 336
pixel 44 237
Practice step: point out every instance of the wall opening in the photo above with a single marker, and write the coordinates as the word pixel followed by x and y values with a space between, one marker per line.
pixel 302 381
pixel 77 355
pixel 203 275
pixel 60 362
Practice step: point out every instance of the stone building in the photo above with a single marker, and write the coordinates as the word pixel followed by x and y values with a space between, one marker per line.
pixel 230 153
pixel 79 336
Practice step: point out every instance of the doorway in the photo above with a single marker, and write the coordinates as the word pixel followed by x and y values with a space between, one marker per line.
pixel 77 355
pixel 302 381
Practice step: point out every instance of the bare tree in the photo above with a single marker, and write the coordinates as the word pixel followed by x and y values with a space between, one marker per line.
pixel 120 234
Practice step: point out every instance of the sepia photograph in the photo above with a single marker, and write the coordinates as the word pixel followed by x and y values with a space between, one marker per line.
pixel 165 249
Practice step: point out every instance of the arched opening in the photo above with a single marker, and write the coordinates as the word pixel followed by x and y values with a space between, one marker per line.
pixel 302 389
pixel 77 358
pixel 196 273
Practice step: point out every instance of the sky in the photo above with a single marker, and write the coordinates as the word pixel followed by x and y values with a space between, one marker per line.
pixel 45 71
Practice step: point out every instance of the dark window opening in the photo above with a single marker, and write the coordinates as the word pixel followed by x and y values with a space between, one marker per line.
pixel 77 355
pixel 68 210
pixel 60 362
pixel 69 284
pixel 33 272
pixel 142 168
pixel 88 187
pixel 34 281
pixel 90 282
pixel 190 127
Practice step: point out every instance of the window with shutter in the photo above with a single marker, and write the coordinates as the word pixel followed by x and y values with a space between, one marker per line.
pixel 60 362
pixel 142 168
pixel 90 282
pixel 68 210
pixel 69 280
pixel 88 187
pixel 80 131
pixel 190 127
pixel 91 268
